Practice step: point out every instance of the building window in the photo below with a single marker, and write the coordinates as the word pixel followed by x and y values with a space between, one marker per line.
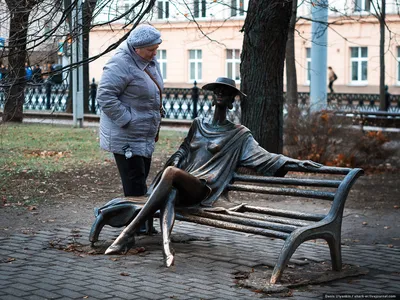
pixel 359 64
pixel 308 70
pixel 163 9
pixel 195 65
pixel 199 9
pixel 162 60
pixel 362 5
pixel 233 64
pixel 237 8
pixel 398 65
pixel 48 28
pixel 129 12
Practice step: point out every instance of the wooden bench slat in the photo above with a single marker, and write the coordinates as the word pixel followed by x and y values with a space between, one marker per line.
pixel 282 191
pixel 287 181
pixel 284 213
pixel 269 218
pixel 243 220
pixel 324 169
pixel 230 226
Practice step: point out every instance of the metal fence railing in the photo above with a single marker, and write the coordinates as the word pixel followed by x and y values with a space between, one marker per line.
pixel 185 103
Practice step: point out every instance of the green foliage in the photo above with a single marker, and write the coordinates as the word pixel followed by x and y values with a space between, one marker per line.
pixel 46 148
pixel 169 142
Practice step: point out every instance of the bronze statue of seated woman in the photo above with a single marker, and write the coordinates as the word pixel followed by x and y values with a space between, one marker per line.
pixel 197 174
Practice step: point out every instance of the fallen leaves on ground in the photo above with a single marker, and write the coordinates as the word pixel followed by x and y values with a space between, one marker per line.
pixel 46 153
pixel 8 260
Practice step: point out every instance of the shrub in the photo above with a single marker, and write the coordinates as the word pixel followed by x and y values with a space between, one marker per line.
pixel 331 140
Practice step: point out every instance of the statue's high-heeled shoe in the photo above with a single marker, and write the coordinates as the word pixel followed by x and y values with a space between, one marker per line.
pixel 121 246
pixel 169 260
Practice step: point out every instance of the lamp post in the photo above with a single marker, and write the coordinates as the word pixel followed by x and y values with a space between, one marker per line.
pixel 319 31
pixel 77 72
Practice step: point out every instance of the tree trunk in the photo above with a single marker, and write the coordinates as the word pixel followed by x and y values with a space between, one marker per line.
pixel 291 83
pixel 15 96
pixel 263 56
pixel 382 99
pixel 85 55
pixel 291 75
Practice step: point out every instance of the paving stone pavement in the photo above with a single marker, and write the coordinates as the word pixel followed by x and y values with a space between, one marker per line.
pixel 31 268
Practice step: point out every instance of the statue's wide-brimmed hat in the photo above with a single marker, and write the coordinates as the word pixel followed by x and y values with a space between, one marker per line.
pixel 223 81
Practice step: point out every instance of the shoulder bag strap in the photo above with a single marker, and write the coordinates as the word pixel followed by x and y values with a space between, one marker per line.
pixel 159 89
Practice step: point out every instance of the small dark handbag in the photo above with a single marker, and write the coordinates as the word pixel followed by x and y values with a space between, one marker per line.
pixel 162 111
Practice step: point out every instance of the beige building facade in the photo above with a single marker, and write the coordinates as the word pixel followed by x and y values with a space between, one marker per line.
pixel 353 53
pixel 210 47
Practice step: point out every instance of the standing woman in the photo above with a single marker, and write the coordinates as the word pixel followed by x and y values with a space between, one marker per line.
pixel 129 95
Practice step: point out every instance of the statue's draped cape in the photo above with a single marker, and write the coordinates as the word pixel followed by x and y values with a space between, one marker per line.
pixel 213 153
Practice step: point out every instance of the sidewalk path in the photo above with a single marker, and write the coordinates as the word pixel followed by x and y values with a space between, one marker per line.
pixel 30 268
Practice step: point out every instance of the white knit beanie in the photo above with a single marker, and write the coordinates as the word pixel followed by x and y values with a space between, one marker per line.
pixel 144 35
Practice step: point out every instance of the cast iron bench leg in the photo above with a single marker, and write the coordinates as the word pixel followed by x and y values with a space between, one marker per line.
pixel 330 231
pixel 96 228
pixel 335 250
pixel 290 245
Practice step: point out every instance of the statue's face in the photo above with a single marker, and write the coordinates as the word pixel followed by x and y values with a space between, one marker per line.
pixel 224 96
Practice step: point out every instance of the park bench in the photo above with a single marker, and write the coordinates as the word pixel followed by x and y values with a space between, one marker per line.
pixel 373 118
pixel 295 227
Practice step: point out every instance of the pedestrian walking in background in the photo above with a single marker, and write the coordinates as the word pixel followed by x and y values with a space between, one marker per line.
pixel 331 77
pixel 5 73
pixel 387 98
pixel 2 73
pixel 37 74
pixel 28 72
pixel 129 95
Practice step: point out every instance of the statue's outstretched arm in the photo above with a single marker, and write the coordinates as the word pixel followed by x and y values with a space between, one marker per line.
pixel 270 164
pixel 304 164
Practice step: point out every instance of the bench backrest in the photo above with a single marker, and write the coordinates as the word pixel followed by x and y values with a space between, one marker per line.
pixel 335 188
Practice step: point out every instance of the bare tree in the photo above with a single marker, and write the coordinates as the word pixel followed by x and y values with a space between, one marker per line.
pixel 263 55
pixel 19 22
pixel 380 14
pixel 22 42
pixel 291 74
pixel 262 63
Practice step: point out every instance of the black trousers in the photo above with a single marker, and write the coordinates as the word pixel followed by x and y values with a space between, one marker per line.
pixel 133 172
pixel 331 86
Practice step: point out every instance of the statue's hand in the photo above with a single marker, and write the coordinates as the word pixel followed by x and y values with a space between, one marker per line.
pixel 309 164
